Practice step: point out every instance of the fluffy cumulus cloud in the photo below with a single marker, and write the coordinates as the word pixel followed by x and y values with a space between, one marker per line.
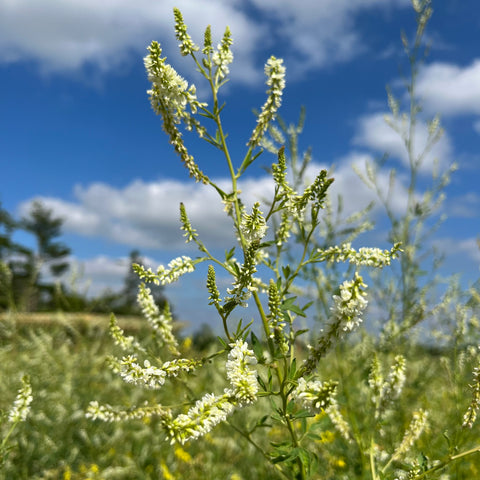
pixel 66 35
pixel 450 89
pixel 320 33
pixel 376 135
pixel 145 215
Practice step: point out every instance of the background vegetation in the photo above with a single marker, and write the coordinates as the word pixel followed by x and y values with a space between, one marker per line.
pixel 435 332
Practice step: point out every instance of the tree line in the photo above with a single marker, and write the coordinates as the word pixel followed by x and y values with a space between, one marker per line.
pixel 32 276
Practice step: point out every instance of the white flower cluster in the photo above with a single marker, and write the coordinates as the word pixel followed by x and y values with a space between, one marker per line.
pixel 253 227
pixel 186 44
pixel 146 376
pixel 160 322
pixel 384 391
pixel 275 72
pixel 370 257
pixel 315 395
pixel 396 378
pixel 169 92
pixel 417 426
pixel 126 343
pixel 200 419
pixel 350 304
pixel 176 268
pixel 242 378
pixel 106 413
pixel 21 404
pixel 244 283
pixel 212 409
pixel 471 414
pixel 333 412
pixel 153 377
pixel 223 57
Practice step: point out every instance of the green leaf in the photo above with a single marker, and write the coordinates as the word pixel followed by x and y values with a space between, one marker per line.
pixel 261 382
pixel 229 254
pixel 301 332
pixel 293 369
pixel 257 348
pixel 303 414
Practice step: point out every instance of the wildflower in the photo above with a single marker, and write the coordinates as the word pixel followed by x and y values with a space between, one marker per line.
pixel 160 322
pixel 120 339
pixel 316 191
pixel 21 404
pixel 471 413
pixel 169 97
pixel 190 232
pixel 384 391
pixel 333 412
pixel 153 377
pixel 370 257
pixel 315 395
pixel 414 430
pixel 182 455
pixel 223 57
pixel 186 46
pixel 396 378
pixel 166 473
pixel 350 304
pixel 199 420
pixel 170 92
pixel 242 378
pixel 147 376
pixel 176 268
pixel 244 282
pixel 275 318
pixel 253 227
pixel 107 413
pixel 212 288
pixel 346 316
pixel 275 72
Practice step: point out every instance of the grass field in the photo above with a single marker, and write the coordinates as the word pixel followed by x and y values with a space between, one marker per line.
pixel 65 358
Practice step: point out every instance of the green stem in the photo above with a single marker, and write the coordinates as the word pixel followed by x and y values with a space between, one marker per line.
pixel 444 463
pixel 258 447
pixel 372 460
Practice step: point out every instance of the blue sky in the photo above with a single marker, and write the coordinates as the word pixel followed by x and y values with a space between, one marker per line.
pixel 77 130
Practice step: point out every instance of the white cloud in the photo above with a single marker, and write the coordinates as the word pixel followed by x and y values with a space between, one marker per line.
pixel 66 35
pixel 320 33
pixel 146 215
pixel 356 195
pixel 375 134
pixel 461 255
pixel 464 206
pixel 449 89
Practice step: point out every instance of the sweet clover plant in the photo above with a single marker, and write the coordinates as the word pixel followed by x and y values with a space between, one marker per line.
pixel 276 370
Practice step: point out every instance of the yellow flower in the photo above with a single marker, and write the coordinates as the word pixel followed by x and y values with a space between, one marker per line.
pixel 182 455
pixel 166 474
pixel 327 437
pixel 187 343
